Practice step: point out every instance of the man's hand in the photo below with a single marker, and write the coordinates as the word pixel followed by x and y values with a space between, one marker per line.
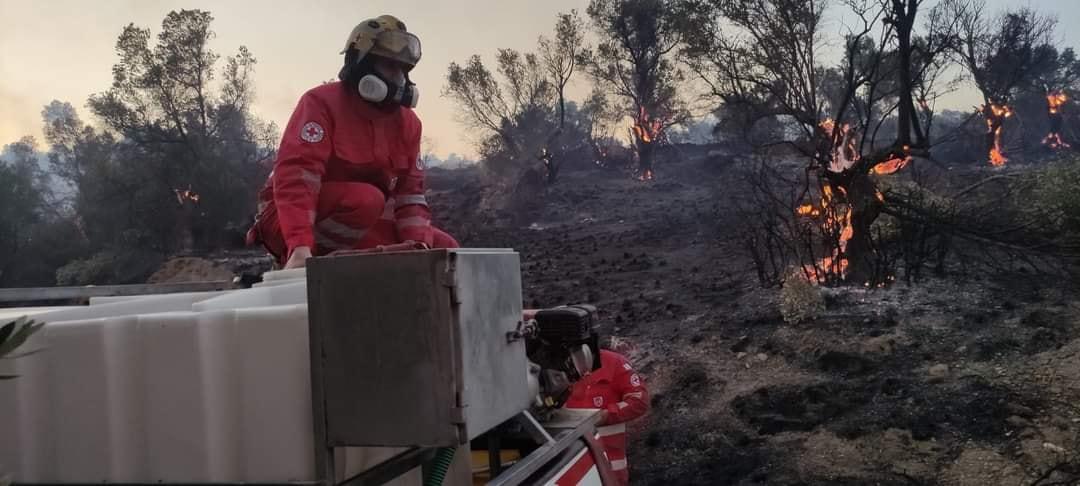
pixel 298 257
pixel 419 245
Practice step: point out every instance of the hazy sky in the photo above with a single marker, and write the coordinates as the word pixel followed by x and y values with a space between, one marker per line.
pixel 64 49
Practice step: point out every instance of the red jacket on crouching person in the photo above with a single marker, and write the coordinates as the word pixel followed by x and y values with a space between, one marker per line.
pixel 620 392
pixel 348 173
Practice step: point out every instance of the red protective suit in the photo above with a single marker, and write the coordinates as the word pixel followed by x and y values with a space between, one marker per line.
pixel 347 176
pixel 617 389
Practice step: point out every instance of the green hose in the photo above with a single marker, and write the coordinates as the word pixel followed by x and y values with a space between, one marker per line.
pixel 444 458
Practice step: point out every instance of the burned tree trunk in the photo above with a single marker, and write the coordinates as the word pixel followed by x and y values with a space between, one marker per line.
pixel 646 153
pixel 903 18
pixel 864 207
pixel 995 120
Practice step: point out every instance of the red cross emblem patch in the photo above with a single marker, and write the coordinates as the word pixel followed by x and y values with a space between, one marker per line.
pixel 312 132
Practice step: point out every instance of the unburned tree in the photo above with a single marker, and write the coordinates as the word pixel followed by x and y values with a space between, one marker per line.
pixel 22 203
pixel 560 57
pixel 600 117
pixel 191 147
pixel 505 107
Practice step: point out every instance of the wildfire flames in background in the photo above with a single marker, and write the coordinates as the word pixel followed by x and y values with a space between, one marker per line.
pixel 1055 101
pixel 999 113
pixel 834 218
pixel 184 195
pixel 648 130
pixel 833 214
pixel 844 152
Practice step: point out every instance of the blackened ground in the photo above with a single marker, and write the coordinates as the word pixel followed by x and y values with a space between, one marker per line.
pixel 944 382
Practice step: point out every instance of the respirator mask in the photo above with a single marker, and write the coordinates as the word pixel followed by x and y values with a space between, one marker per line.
pixel 393 46
pixel 376 88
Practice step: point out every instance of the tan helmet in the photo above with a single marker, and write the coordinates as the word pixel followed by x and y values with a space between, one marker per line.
pixel 384 36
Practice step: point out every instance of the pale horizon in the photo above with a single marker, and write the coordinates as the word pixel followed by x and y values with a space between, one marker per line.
pixel 64 50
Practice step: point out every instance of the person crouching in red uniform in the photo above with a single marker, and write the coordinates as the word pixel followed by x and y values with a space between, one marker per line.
pixel 620 392
pixel 348 173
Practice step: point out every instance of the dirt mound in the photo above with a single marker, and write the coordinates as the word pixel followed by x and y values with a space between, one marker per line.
pixel 190 269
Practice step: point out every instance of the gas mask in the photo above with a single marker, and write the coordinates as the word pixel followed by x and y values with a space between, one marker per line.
pixel 382 39
pixel 377 89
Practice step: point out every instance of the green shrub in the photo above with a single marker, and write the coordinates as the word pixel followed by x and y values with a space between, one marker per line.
pixel 14 334
pixel 1056 194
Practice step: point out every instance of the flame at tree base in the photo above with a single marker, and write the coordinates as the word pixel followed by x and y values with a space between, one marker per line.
pixel 1055 101
pixel 646 176
pixel 995 116
pixel 1054 141
pixel 997 159
pixel 836 264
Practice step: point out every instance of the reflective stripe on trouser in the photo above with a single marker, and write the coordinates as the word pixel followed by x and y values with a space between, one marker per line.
pixel 348 216
pixel 611 430
pixel 614 439
pixel 402 201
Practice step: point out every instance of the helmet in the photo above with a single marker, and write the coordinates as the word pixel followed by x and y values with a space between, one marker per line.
pixel 384 36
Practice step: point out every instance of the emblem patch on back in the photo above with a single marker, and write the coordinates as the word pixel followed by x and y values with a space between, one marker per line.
pixel 598 401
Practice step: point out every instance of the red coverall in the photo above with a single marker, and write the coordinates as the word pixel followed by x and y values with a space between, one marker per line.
pixel 617 389
pixel 347 176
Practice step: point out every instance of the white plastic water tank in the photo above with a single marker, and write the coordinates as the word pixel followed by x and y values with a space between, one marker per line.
pixel 206 387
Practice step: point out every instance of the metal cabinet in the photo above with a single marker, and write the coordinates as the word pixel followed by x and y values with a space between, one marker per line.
pixel 414 349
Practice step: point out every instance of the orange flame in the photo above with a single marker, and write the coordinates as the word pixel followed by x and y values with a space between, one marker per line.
pixel 844 151
pixel 997 113
pixel 1053 140
pixel 646 128
pixel 646 176
pixel 997 157
pixel 833 223
pixel 1055 101
pixel 186 195
pixel 895 163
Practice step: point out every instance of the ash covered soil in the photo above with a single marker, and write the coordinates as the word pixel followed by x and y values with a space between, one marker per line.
pixel 968 381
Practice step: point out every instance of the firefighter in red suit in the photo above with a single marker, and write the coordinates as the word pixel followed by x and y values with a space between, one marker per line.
pixel 621 395
pixel 348 173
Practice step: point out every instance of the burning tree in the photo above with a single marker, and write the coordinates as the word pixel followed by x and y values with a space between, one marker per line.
pixel 1000 55
pixel 763 54
pixel 1054 81
pixel 1055 100
pixel 635 62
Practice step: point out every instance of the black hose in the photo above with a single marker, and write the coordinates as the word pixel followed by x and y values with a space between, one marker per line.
pixel 444 458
